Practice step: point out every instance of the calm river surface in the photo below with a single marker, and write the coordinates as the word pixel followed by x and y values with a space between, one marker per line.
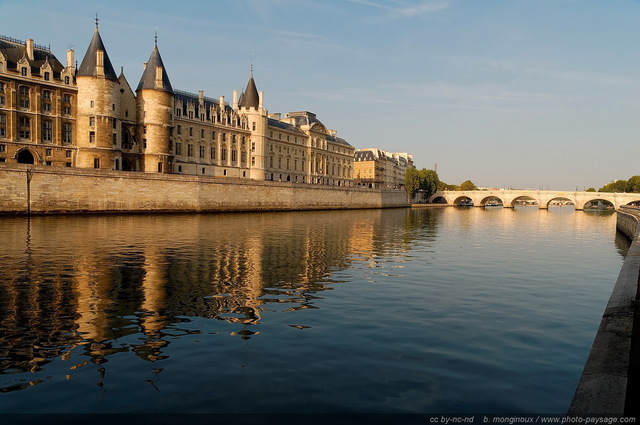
pixel 375 311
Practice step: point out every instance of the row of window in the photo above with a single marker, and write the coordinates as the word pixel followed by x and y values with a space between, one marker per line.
pixel 24 71
pixel 215 118
pixel 24 99
pixel 203 134
pixel 212 153
pixel 24 129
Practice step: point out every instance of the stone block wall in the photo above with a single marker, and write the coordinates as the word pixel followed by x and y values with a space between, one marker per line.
pixel 54 190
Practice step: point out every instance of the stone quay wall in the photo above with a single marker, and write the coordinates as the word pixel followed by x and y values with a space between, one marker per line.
pixel 602 389
pixel 48 190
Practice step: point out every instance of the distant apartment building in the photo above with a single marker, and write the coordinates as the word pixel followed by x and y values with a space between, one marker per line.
pixel 377 168
pixel 90 117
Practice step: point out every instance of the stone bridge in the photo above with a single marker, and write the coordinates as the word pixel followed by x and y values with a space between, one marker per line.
pixel 543 198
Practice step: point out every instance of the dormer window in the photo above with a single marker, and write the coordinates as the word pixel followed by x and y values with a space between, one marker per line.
pixel 23 71
pixel 47 76
pixel 67 80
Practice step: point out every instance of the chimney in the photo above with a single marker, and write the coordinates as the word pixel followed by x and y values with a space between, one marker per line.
pixel 261 101
pixel 201 95
pixel 221 101
pixel 159 78
pixel 235 99
pixel 29 45
pixel 70 58
pixel 100 63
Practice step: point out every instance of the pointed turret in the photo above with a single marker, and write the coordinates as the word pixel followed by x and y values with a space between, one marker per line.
pixel 96 61
pixel 155 76
pixel 250 97
pixel 251 106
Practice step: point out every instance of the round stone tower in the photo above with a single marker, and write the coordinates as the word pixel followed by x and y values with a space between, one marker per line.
pixel 98 109
pixel 154 105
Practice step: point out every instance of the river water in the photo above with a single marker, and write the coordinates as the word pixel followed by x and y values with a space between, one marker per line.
pixel 373 311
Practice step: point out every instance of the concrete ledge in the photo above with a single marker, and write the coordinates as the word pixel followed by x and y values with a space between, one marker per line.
pixel 602 388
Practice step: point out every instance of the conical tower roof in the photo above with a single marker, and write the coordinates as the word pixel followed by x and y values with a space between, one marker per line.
pixel 250 97
pixel 88 65
pixel 148 79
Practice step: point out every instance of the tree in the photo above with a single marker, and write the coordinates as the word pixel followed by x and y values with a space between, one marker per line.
pixel 424 179
pixel 412 181
pixel 590 190
pixel 633 184
pixel 442 186
pixel 430 182
pixel 467 185
pixel 619 186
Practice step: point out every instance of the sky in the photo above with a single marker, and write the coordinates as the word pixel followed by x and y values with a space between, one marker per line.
pixel 529 94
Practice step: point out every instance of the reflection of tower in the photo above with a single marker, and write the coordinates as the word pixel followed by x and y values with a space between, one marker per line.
pixel 253 276
pixel 92 287
pixel 154 293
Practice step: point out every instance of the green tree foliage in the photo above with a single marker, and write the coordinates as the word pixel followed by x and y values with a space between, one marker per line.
pixel 619 186
pixel 467 185
pixel 443 186
pixel 590 190
pixel 426 180
pixel 430 181
pixel 412 181
pixel 633 184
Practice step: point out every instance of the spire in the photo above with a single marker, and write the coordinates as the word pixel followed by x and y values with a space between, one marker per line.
pixel 250 97
pixel 91 62
pixel 155 75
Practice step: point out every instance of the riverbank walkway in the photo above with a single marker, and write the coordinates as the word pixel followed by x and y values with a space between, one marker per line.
pixel 609 384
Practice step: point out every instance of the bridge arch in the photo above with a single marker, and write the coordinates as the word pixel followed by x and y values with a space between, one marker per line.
pixel 463 200
pixel 491 200
pixel 560 201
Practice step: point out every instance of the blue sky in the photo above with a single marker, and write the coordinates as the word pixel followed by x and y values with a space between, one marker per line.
pixel 507 93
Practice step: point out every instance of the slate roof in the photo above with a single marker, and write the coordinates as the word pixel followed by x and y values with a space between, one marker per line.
pixel 250 97
pixel 186 97
pixel 148 79
pixel 364 156
pixel 88 65
pixel 14 50
pixel 283 125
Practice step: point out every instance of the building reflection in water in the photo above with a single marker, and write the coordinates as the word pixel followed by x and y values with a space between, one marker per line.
pixel 75 285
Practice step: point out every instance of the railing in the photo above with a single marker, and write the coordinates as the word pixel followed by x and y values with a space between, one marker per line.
pixel 17 41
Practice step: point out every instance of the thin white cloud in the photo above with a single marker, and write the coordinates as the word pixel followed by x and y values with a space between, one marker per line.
pixel 398 8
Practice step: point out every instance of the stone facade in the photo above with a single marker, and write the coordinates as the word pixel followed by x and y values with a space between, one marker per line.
pixel 91 118
pixel 375 167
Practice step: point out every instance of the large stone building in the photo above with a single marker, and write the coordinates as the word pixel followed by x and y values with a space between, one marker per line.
pixel 90 117
pixel 378 168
